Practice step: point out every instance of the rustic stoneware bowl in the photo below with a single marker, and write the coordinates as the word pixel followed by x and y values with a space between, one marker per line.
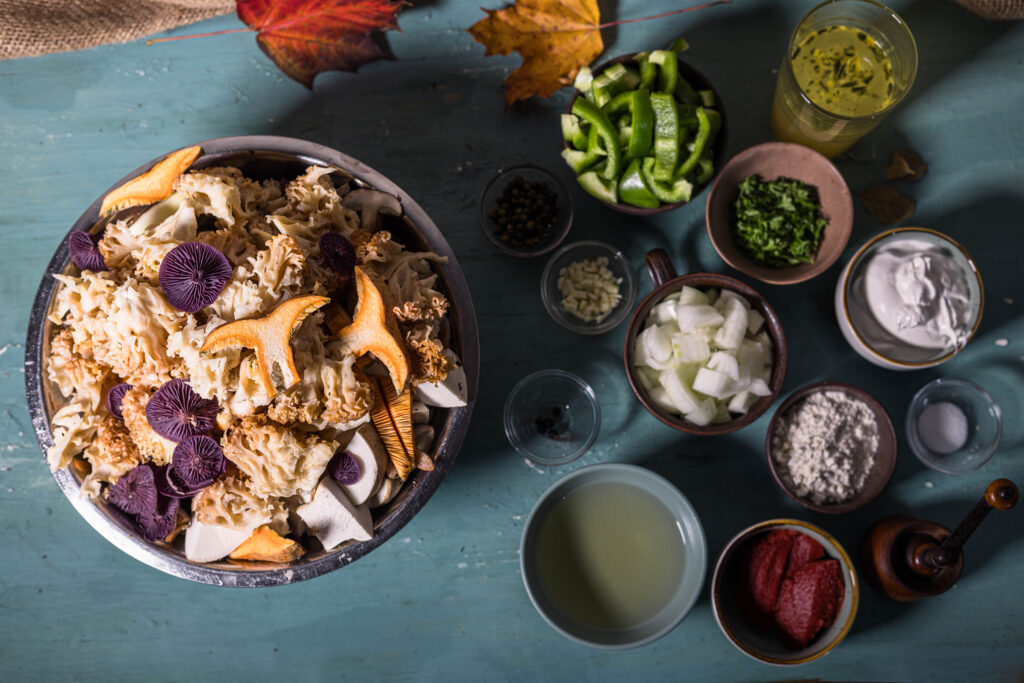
pixel 771 161
pixel 885 457
pixel 699 82
pixel 659 267
pixel 683 598
pixel 861 329
pixel 769 647
pixel 265 157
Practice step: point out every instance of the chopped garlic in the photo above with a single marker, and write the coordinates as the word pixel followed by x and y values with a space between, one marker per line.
pixel 589 289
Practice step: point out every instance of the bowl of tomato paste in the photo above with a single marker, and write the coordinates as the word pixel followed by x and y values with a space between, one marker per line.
pixel 784 592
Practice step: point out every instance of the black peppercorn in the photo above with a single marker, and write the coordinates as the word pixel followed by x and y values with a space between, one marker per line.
pixel 526 213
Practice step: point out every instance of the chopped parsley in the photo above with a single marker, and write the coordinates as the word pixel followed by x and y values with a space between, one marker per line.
pixel 779 223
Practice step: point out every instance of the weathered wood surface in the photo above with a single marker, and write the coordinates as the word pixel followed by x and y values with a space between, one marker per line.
pixel 443 600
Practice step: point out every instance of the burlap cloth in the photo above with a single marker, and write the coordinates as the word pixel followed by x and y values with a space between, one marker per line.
pixel 995 9
pixel 36 27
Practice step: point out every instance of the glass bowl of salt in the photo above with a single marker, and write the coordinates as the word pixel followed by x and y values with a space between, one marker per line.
pixel 953 425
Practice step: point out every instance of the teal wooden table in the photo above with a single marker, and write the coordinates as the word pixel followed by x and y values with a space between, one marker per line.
pixel 443 600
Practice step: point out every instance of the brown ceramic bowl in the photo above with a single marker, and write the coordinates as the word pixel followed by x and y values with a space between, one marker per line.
pixel 659 267
pixel 699 82
pixel 770 161
pixel 885 457
pixel 766 645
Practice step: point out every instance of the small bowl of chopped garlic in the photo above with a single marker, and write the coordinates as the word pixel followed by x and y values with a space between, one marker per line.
pixel 588 287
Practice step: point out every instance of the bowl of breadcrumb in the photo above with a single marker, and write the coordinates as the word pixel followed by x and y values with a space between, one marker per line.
pixel 831 447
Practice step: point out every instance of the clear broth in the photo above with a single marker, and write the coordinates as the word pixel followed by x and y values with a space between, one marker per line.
pixel 610 555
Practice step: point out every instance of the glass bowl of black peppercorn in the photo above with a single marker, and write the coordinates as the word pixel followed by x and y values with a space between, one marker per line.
pixel 525 211
pixel 552 417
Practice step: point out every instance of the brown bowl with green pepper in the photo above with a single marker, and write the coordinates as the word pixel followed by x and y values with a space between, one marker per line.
pixel 644 133
pixel 779 212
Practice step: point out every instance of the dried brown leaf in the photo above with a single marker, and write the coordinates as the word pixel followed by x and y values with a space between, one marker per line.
pixel 906 165
pixel 887 205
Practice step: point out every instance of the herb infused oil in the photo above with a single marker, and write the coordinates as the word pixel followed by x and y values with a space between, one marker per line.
pixel 844 71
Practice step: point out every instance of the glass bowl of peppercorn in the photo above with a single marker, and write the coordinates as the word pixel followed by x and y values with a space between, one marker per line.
pixel 525 211
pixel 552 417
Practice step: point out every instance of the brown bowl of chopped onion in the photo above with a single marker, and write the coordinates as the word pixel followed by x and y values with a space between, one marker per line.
pixel 704 353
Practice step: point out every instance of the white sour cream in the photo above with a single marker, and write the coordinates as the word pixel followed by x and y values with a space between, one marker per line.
pixel 918 293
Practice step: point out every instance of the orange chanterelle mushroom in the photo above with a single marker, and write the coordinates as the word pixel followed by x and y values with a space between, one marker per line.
pixel 270 336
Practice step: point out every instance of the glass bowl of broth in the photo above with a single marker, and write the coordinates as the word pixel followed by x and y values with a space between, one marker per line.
pixel 613 556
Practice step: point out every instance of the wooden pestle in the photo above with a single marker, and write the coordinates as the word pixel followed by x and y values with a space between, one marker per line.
pixel 927 558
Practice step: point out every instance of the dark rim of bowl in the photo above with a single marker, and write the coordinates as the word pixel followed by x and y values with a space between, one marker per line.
pixel 450 435
pixel 699 82
pixel 729 552
pixel 818 267
pixel 486 225
pixel 771 323
pixel 844 282
pixel 886 434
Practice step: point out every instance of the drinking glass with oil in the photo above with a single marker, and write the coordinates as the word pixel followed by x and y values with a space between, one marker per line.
pixel 849 63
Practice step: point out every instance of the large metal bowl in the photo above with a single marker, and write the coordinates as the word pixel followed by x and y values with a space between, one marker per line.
pixel 267 157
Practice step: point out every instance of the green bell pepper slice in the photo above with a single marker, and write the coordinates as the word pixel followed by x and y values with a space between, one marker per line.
pixel 648 70
pixel 679 45
pixel 603 128
pixel 700 143
pixel 705 168
pixel 668 70
pixel 605 190
pixel 672 192
pixel 633 188
pixel 638 103
pixel 666 136
pixel 610 82
pixel 572 131
pixel 686 94
pixel 716 125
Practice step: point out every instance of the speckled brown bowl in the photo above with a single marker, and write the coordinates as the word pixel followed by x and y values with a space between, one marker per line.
pixel 770 161
pixel 659 266
pixel 885 457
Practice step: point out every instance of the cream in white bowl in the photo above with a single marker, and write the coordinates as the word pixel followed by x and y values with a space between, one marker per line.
pixel 909 298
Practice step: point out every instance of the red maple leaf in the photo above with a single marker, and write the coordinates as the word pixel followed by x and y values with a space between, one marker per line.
pixel 307 37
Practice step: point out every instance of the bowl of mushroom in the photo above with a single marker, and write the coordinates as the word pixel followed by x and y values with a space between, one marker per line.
pixel 252 361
